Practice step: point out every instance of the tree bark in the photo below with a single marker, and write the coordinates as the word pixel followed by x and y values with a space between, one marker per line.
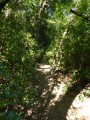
pixel 43 5
pixel 80 15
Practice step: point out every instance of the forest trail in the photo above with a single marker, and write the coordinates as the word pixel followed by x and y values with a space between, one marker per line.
pixel 55 101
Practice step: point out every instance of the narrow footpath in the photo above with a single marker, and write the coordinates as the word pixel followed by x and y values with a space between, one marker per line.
pixel 59 98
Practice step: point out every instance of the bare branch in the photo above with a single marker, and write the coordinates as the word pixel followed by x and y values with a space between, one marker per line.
pixel 80 15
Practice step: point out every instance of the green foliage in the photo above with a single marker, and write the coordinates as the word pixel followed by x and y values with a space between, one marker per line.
pixel 18 53
pixel 70 46
pixel 81 97
pixel 59 38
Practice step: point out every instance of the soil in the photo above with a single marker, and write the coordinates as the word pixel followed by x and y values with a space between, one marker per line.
pixel 59 98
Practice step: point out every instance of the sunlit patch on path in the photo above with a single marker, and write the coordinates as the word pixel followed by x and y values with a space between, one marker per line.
pixel 79 110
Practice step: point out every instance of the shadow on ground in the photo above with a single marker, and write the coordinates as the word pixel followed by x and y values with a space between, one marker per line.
pixel 44 95
pixel 58 111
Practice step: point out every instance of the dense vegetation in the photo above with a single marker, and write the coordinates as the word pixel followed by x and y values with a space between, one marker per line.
pixel 39 31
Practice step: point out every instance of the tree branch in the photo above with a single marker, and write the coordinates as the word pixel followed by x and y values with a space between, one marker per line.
pixel 79 14
pixel 2 4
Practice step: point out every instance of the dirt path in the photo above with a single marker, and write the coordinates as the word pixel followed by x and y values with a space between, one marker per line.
pixel 57 103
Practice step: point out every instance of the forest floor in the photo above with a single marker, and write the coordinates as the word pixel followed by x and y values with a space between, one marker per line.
pixel 59 97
